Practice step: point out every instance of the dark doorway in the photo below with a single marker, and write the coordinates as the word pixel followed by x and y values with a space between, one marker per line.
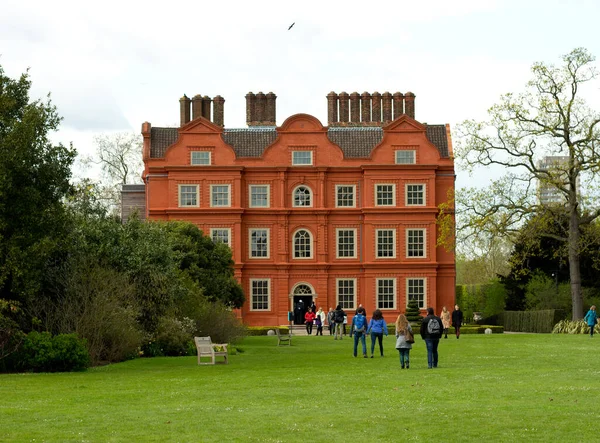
pixel 301 305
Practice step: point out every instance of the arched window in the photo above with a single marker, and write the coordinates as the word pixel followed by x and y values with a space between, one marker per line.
pixel 302 244
pixel 302 196
pixel 303 290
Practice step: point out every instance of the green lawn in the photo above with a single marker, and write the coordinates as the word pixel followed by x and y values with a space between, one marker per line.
pixel 511 387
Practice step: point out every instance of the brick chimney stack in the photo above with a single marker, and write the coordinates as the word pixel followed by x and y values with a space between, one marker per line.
pixel 365 107
pixel 196 106
pixel 184 110
pixel 355 107
pixel 271 112
pixel 376 107
pixel 387 107
pixel 409 104
pixel 343 99
pixel 332 108
pixel 219 111
pixel 250 99
pixel 206 102
pixel 398 104
pixel 259 108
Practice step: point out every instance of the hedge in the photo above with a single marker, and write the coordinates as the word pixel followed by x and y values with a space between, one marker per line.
pixel 532 321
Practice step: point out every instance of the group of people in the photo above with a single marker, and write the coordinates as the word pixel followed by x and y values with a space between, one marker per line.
pixel 432 329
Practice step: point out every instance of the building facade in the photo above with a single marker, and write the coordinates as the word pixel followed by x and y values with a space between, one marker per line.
pixel 339 214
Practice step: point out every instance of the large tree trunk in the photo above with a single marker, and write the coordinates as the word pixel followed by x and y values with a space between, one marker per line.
pixel 574 268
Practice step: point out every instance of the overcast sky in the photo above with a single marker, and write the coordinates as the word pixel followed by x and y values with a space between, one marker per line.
pixel 110 66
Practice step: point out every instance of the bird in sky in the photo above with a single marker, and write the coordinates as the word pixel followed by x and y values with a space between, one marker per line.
pixel 291 26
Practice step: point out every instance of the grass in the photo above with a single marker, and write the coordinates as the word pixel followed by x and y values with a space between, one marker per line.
pixel 500 387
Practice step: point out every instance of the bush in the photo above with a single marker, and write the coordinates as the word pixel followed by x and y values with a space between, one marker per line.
pixel 219 322
pixel 42 352
pixel 573 327
pixel 173 338
pixel 413 313
pixel 532 321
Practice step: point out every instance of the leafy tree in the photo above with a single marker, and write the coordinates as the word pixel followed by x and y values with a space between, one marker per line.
pixel 549 119
pixel 34 179
pixel 119 156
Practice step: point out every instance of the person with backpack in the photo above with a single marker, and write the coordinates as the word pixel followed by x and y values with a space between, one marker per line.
pixel 338 318
pixel 359 329
pixel 431 332
pixel 377 327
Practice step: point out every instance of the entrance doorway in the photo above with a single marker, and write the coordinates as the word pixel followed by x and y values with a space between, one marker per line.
pixel 302 299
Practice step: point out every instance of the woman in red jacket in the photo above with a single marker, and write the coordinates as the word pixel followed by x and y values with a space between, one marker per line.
pixel 308 319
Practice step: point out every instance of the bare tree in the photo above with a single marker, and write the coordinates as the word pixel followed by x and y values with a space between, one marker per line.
pixel 549 120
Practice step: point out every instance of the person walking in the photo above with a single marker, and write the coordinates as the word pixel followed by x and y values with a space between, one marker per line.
pixel 331 321
pixel 457 319
pixel 338 318
pixel 592 319
pixel 359 329
pixel 445 316
pixel 320 321
pixel 377 327
pixel 402 328
pixel 431 332
pixel 309 318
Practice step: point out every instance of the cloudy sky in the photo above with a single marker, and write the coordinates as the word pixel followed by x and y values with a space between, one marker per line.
pixel 112 65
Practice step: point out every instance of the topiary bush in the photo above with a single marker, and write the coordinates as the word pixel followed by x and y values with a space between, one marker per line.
pixel 413 312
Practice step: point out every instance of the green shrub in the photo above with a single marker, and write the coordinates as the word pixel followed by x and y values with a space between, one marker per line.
pixel 573 327
pixel 173 336
pixel 532 321
pixel 477 329
pixel 42 352
pixel 413 313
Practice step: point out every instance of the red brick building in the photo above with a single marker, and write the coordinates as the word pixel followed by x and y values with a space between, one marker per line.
pixel 344 213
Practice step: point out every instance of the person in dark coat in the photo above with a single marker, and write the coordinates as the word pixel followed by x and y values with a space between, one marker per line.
pixel 299 313
pixel 338 317
pixel 457 320
pixel 431 332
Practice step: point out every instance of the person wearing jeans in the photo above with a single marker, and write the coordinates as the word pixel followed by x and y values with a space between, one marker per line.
pixel 431 332
pixel 359 329
pixel 377 327
pixel 591 319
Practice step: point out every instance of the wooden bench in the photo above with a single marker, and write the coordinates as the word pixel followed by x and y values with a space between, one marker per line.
pixel 206 349
pixel 283 338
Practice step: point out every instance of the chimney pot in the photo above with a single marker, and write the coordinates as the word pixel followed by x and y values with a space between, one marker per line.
pixel 386 99
pixel 271 114
pixel 398 104
pixel 332 108
pixel 365 106
pixel 196 106
pixel 409 104
pixel 344 106
pixel 355 107
pixel 184 110
pixel 376 107
pixel 250 99
pixel 218 110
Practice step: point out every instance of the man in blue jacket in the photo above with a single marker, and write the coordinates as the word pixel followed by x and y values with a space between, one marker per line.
pixel 431 332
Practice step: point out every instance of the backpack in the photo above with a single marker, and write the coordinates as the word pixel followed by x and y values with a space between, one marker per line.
pixel 434 327
pixel 338 316
pixel 360 323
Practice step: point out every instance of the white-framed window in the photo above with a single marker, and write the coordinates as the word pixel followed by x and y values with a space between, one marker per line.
pixel 188 195
pixel 415 195
pixel 220 196
pixel 386 243
pixel 259 243
pixel 345 196
pixel 221 235
pixel 259 196
pixel 415 242
pixel 260 294
pixel 386 293
pixel 302 196
pixel 302 158
pixel 346 243
pixel 405 157
pixel 416 289
pixel 302 244
pixel 385 195
pixel 200 158
pixel 346 292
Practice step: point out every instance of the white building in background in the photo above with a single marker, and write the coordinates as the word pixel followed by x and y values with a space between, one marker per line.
pixel 548 193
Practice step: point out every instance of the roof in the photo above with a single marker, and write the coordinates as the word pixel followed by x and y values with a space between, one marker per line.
pixel 355 141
